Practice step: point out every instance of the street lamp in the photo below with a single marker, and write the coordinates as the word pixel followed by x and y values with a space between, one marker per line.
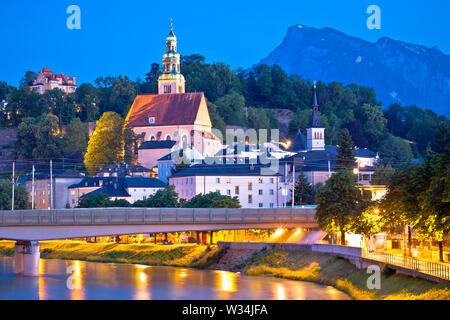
pixel 356 171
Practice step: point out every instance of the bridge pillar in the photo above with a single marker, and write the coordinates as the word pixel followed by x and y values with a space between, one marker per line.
pixel 26 258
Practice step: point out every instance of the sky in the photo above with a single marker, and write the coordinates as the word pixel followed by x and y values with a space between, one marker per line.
pixel 126 37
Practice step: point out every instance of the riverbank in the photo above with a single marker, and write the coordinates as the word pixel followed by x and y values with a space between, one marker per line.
pixel 320 268
pixel 331 270
pixel 190 255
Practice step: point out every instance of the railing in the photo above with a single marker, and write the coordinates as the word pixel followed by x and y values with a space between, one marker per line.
pixel 432 268
pixel 154 216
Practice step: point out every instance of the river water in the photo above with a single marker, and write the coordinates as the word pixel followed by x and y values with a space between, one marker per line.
pixel 78 280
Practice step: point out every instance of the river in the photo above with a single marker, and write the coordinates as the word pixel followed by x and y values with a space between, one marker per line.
pixel 92 280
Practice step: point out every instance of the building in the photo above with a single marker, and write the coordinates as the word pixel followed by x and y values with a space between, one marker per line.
pixel 254 151
pixel 62 179
pixel 47 80
pixel 128 188
pixel 125 170
pixel 318 160
pixel 253 187
pixel 150 151
pixel 173 114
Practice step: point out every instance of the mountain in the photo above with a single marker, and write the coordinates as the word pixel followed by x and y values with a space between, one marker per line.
pixel 398 71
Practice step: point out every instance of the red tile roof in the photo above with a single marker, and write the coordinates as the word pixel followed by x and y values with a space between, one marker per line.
pixel 168 109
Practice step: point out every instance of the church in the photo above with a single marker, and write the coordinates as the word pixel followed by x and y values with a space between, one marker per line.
pixel 172 114
pixel 318 160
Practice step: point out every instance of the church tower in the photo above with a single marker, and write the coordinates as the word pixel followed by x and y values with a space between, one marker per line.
pixel 315 139
pixel 171 80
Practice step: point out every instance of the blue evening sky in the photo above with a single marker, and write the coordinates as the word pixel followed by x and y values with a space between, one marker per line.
pixel 125 37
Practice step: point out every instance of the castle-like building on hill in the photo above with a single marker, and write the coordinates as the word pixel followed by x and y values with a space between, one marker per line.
pixel 172 114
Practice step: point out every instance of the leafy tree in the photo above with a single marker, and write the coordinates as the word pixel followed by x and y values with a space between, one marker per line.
pixel 345 158
pixel 49 139
pixel 99 200
pixel 231 108
pixel 106 145
pixel 381 175
pixel 212 200
pixel 303 191
pixel 369 222
pixel 131 141
pixel 395 151
pixel 119 203
pixel 20 196
pixel 23 103
pixel 26 141
pixel 338 203
pixel 28 79
pixel 163 198
pixel 76 138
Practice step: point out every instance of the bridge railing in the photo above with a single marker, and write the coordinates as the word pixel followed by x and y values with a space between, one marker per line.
pixel 154 216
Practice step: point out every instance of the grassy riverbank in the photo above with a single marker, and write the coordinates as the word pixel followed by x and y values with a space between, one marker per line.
pixel 331 270
pixel 157 255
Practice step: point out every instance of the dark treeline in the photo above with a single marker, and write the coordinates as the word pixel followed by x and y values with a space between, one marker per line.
pixel 245 98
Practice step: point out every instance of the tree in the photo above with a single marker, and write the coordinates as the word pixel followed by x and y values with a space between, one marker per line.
pixel 99 200
pixel 163 198
pixel 20 196
pixel 381 175
pixel 231 108
pixel 106 145
pixel 345 158
pixel 395 151
pixel 49 139
pixel 76 138
pixel 303 191
pixel 338 203
pixel 212 200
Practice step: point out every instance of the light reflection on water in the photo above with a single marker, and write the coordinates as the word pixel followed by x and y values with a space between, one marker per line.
pixel 124 281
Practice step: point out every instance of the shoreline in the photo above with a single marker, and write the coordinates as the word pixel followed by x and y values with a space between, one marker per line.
pixel 319 268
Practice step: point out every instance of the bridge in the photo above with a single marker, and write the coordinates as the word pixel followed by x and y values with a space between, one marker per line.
pixel 29 227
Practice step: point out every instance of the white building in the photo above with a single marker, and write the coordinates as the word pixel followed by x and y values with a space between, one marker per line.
pixel 250 183
pixel 128 188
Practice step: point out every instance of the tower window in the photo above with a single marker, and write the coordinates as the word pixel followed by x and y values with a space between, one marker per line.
pixel 167 88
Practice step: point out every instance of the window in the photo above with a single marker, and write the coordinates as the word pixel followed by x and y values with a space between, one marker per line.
pixel 192 180
pixel 260 205
pixel 217 180
pixel 228 192
pixel 260 192
pixel 228 180
pixel 271 192
pixel 271 205
pixel 249 186
pixel 260 180
pixel 250 198
pixel 271 180
pixel 236 190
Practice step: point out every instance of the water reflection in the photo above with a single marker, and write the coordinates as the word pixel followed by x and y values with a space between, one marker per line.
pixel 121 281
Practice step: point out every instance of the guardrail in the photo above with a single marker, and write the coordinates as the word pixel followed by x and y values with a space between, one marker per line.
pixel 432 268
pixel 153 216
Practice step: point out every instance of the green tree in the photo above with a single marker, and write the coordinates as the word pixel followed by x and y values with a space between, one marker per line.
pixel 395 151
pixel 303 191
pixel 99 200
pixel 163 198
pixel 338 204
pixel 381 175
pixel 49 139
pixel 20 196
pixel 345 158
pixel 76 138
pixel 26 141
pixel 212 200
pixel 231 108
pixel 106 145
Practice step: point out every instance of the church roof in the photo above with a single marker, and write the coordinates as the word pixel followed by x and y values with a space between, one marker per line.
pixel 167 109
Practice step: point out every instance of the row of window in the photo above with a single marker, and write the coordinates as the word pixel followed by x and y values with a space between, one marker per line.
pixel 260 181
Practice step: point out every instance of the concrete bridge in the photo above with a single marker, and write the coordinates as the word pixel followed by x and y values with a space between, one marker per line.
pixel 29 227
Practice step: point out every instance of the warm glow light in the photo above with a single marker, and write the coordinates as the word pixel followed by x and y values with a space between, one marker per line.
pixel 278 232
pixel 227 281
pixel 376 211
pixel 362 165
pixel 142 277
pixel 355 171
pixel 281 292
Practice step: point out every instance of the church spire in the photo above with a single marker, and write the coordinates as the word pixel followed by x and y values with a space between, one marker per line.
pixel 171 80
pixel 315 120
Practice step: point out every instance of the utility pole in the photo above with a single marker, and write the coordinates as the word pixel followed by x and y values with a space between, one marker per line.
pixel 51 184
pixel 329 169
pixel 293 183
pixel 32 188
pixel 12 202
